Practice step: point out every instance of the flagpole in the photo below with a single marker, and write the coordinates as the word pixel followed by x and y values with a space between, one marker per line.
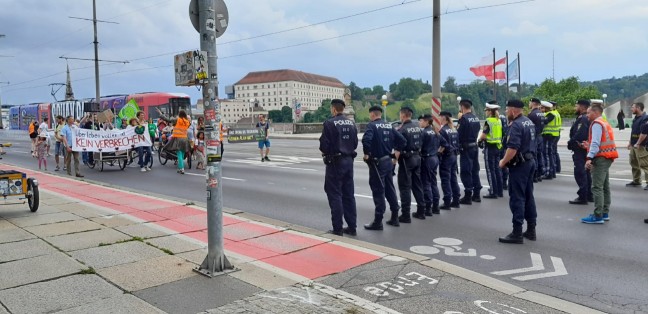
pixel 507 76
pixel 494 76
pixel 519 74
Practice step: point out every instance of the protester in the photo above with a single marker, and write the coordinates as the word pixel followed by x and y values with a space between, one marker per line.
pixel 59 149
pixel 43 129
pixel 89 122
pixel 33 134
pixel 144 152
pixel 66 137
pixel 264 131
pixel 635 152
pixel 180 143
pixel 199 151
pixel 41 151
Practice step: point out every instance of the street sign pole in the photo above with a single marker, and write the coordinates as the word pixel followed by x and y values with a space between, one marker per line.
pixel 212 22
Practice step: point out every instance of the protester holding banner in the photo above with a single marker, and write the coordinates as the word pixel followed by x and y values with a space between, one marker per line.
pixel 67 135
pixel 89 122
pixel 144 152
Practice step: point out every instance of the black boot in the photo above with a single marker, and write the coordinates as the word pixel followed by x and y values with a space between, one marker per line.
pixel 454 204
pixel 514 237
pixel 476 197
pixel 405 217
pixel 467 199
pixel 446 206
pixel 376 224
pixel 530 233
pixel 394 219
pixel 428 211
pixel 435 209
pixel 419 214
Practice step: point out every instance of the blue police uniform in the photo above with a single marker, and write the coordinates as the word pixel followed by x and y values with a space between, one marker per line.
pixel 493 172
pixel 378 141
pixel 578 133
pixel 539 120
pixel 469 127
pixel 448 167
pixel 429 164
pixel 505 172
pixel 521 137
pixel 409 170
pixel 338 143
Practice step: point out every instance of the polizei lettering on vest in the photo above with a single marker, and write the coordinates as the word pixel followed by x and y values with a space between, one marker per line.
pixel 343 122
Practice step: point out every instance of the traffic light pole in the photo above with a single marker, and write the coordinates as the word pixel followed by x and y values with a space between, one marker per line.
pixel 216 262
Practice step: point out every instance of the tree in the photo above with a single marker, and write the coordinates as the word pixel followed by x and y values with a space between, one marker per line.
pixel 450 85
pixel 379 91
pixel 565 93
pixel 356 92
pixel 287 114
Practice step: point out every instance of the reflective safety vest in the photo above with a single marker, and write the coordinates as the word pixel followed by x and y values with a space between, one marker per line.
pixel 494 135
pixel 181 127
pixel 554 127
pixel 608 148
pixel 604 117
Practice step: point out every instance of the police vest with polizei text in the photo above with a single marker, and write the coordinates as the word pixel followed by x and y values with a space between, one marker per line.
pixel 554 127
pixel 607 148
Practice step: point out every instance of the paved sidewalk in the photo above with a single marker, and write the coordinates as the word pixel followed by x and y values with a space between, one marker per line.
pixel 97 249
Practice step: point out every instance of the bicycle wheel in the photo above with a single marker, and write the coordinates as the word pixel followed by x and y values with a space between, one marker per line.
pixel 162 157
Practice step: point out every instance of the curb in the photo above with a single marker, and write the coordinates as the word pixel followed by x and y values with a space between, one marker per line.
pixel 481 279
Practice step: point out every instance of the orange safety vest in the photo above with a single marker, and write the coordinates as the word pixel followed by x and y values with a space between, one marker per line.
pixel 31 128
pixel 181 127
pixel 608 148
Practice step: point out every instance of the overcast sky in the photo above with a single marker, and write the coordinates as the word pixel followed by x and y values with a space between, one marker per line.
pixel 592 39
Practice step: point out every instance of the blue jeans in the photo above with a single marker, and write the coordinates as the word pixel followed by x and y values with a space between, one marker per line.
pixel 144 153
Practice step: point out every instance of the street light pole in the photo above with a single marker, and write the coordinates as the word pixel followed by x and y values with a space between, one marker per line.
pixel 436 62
pixel 384 104
pixel 96 50
pixel 1 123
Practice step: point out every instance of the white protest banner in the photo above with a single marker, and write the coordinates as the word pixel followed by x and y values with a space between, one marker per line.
pixel 85 140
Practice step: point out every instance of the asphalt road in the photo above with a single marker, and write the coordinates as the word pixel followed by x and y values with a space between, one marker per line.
pixel 607 265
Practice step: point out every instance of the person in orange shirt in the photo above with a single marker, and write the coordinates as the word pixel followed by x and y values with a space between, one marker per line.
pixel 180 142
pixel 33 135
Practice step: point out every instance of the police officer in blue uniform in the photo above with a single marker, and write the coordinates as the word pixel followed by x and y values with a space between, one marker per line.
pixel 338 143
pixel 469 127
pixel 539 120
pixel 491 141
pixel 378 141
pixel 505 172
pixel 579 133
pixel 520 159
pixel 448 151
pixel 429 165
pixel 409 167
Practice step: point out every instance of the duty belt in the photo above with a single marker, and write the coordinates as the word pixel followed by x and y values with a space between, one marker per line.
pixel 410 153
pixel 468 145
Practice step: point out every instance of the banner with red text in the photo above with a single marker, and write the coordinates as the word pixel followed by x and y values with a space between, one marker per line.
pixel 85 140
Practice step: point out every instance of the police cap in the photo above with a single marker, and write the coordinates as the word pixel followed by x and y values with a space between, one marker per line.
pixel 515 103
pixel 426 116
pixel 583 102
pixel 445 114
pixel 338 102
pixel 375 108
pixel 407 109
pixel 491 105
pixel 546 104
pixel 535 100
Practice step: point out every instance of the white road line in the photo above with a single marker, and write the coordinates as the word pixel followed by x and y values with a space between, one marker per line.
pixel 559 270
pixel 224 178
pixel 536 261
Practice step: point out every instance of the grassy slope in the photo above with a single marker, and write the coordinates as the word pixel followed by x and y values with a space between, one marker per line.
pixel 422 105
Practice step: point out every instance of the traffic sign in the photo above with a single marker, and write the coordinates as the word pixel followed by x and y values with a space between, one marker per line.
pixel 222 17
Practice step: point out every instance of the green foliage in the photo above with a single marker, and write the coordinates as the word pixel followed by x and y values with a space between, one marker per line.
pixel 621 88
pixel 356 92
pixel 408 88
pixel 322 114
pixel 565 92
pixel 88 271
pixel 281 116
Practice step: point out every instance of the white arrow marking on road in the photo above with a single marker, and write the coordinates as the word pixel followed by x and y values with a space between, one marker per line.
pixel 559 270
pixel 536 261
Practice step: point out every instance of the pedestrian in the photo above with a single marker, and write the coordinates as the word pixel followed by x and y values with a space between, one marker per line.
pixel 152 133
pixel 67 134
pixel 263 127
pixel 642 150
pixel 59 148
pixel 201 124
pixel 409 167
pixel 144 152
pixel 636 152
pixel 520 159
pixel 41 151
pixel 468 129
pixel 199 151
pixel 179 142
pixel 378 142
pixel 577 135
pixel 338 143
pixel 538 119
pixel 491 141
pixel 89 122
pixel 550 137
pixel 620 120
pixel 33 135
pixel 601 153
pixel 449 149
pixel 43 129
pixel 430 143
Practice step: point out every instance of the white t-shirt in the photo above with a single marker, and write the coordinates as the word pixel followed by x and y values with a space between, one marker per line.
pixel 42 129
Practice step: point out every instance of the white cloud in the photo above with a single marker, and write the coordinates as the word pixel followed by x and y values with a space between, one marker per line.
pixel 525 28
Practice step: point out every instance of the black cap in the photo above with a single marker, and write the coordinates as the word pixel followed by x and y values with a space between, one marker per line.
pixel 583 102
pixel 375 108
pixel 408 109
pixel 535 100
pixel 492 102
pixel 446 114
pixel 426 116
pixel 553 103
pixel 515 103
pixel 338 101
pixel 466 101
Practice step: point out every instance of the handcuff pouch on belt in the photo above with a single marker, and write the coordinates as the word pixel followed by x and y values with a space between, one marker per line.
pixel 329 159
pixel 519 159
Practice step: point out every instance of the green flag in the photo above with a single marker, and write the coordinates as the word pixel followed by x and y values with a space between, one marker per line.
pixel 129 111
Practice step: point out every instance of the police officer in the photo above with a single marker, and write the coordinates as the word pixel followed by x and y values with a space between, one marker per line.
pixel 519 158
pixel 338 143
pixel 578 134
pixel 378 141
pixel 409 167
pixel 538 119
pixel 449 148
pixel 469 127
pixel 550 137
pixel 491 141
pixel 429 164
pixel 505 172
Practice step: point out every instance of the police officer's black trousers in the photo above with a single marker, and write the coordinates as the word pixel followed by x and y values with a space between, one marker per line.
pixel 522 202
pixel 493 171
pixel 550 155
pixel 505 171
pixel 382 186
pixel 448 174
pixel 429 167
pixel 338 185
pixel 582 176
pixel 409 181
pixel 539 157
pixel 469 171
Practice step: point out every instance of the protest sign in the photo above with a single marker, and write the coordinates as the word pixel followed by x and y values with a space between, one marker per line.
pixel 84 140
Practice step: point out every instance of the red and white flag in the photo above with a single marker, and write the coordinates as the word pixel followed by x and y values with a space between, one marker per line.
pixel 485 68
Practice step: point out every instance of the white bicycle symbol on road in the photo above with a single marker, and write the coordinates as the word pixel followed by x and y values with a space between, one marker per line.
pixel 450 247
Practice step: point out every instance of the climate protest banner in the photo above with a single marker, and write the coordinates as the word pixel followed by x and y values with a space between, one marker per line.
pixel 84 140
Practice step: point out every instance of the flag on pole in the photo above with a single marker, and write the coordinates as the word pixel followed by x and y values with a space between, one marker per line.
pixel 485 68
pixel 514 71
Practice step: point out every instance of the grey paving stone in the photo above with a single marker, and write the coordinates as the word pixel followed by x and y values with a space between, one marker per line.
pixel 23 211
pixel 123 304
pixel 196 257
pixel 88 239
pixel 141 230
pixel 85 211
pixel 24 249
pixel 377 271
pixel 112 221
pixel 61 228
pixel 116 254
pixel 199 293
pixel 36 219
pixel 14 234
pixel 5 224
pixel 260 277
pixel 174 244
pixel 36 269
pixel 148 273
pixel 2 309
pixel 59 294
